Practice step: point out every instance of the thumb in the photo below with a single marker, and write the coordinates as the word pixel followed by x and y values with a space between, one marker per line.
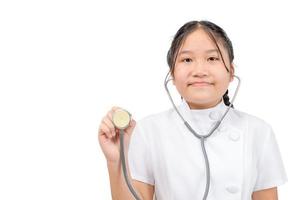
pixel 131 126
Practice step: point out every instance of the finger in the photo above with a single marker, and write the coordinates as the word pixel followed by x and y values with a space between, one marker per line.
pixel 110 125
pixel 114 108
pixel 104 130
pixel 110 114
pixel 107 126
pixel 131 126
pixel 132 123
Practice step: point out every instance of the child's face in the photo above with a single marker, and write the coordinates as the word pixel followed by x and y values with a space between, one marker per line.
pixel 199 61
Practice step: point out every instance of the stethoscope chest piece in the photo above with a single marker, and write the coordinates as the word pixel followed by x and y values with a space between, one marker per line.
pixel 121 118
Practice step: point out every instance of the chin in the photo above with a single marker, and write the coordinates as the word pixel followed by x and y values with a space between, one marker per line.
pixel 199 100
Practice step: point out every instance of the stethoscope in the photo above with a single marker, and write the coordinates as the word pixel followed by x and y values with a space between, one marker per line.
pixel 122 118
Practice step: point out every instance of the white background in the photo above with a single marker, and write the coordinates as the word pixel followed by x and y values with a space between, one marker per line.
pixel 64 64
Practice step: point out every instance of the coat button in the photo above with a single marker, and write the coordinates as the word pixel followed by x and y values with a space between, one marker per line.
pixel 215 115
pixel 234 136
pixel 232 189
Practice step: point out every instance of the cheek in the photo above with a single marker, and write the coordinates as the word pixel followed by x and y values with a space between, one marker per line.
pixel 222 83
pixel 180 84
pixel 180 77
pixel 180 70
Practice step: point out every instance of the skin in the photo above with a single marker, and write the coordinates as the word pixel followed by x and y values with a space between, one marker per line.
pixel 267 194
pixel 198 60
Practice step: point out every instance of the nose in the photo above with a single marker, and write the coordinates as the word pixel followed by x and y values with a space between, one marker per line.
pixel 200 68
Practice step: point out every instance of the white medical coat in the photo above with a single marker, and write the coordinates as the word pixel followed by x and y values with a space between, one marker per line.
pixel 243 154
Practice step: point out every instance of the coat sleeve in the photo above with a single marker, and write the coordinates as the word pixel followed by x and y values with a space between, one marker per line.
pixel 271 172
pixel 139 159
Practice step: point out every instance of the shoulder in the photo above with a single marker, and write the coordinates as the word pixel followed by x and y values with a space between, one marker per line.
pixel 252 122
pixel 156 119
pixel 256 130
pixel 258 134
pixel 153 126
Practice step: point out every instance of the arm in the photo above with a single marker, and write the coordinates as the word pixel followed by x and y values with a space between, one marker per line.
pixel 267 194
pixel 119 188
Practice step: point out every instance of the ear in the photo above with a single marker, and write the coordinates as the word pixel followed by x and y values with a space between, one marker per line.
pixel 231 72
pixel 173 80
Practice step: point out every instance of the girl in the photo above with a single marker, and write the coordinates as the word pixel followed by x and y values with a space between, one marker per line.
pixel 163 155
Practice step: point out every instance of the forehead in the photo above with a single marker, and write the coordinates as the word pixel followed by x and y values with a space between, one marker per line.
pixel 198 41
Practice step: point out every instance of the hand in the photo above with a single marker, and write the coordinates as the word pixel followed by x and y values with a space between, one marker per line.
pixel 109 137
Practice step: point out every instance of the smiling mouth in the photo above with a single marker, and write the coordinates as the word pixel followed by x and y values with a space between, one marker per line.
pixel 200 84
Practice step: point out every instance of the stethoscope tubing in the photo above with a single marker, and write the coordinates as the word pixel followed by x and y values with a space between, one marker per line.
pixel 201 137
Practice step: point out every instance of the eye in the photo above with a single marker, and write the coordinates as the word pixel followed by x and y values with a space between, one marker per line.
pixel 186 60
pixel 213 59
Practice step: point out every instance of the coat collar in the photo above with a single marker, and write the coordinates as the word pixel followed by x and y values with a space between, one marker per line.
pixel 219 108
pixel 202 120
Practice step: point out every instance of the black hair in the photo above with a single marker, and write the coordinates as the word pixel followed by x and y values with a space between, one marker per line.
pixel 214 32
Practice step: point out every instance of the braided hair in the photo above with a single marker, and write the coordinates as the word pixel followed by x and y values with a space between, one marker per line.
pixel 226 99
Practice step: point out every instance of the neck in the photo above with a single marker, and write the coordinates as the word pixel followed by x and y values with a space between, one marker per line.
pixel 193 105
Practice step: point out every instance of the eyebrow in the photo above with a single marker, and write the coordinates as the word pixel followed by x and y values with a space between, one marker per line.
pixel 189 51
